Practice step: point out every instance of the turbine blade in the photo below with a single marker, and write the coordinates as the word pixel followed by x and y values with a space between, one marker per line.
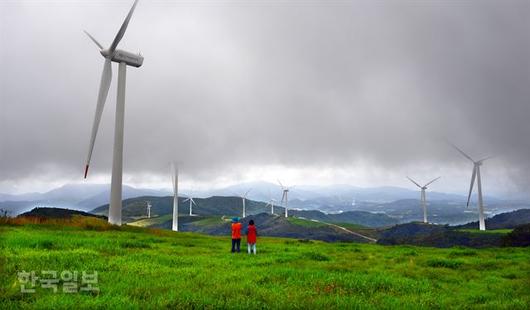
pixel 104 86
pixel 185 200
pixel 414 182
pixel 462 152
pixel 245 196
pixel 94 40
pixel 431 182
pixel 485 158
pixel 280 183
pixel 472 183
pixel 123 27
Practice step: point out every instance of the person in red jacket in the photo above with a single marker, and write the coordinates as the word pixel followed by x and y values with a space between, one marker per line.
pixel 236 235
pixel 252 233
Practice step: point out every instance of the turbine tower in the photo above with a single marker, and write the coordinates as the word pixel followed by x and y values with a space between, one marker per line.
pixel 476 174
pixel 244 198
pixel 192 202
pixel 271 203
pixel 423 198
pixel 148 210
pixel 285 199
pixel 124 59
pixel 175 180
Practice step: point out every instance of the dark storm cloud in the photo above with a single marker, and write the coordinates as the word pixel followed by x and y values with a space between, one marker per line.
pixel 294 83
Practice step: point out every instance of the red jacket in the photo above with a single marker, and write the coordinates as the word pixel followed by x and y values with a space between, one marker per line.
pixel 236 230
pixel 251 234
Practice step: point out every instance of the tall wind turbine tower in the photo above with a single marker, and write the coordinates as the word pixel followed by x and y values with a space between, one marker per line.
pixel 476 174
pixel 271 203
pixel 244 198
pixel 148 210
pixel 192 202
pixel 423 199
pixel 124 59
pixel 175 179
pixel 285 200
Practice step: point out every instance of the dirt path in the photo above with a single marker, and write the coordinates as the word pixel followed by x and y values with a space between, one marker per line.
pixel 348 231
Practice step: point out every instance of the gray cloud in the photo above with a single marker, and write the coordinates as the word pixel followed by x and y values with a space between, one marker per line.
pixel 294 83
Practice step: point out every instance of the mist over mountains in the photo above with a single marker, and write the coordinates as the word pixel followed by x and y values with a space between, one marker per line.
pixel 401 203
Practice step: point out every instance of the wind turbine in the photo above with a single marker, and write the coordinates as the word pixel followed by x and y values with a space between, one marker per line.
pixel 148 210
pixel 175 180
pixel 476 174
pixel 124 59
pixel 423 198
pixel 285 199
pixel 271 203
pixel 244 198
pixel 192 202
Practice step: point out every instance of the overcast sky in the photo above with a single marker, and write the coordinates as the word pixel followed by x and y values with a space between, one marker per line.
pixel 311 92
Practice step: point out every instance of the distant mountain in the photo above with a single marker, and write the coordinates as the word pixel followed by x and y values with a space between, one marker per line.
pixel 437 236
pixel 128 192
pixel 73 196
pixel 447 236
pixel 504 220
pixel 57 213
pixel 136 208
pixel 363 218
pixel 397 203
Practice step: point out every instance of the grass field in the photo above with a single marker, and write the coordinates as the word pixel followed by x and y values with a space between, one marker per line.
pixel 143 268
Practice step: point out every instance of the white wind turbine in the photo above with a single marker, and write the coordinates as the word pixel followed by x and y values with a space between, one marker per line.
pixel 423 198
pixel 271 203
pixel 476 174
pixel 192 202
pixel 124 59
pixel 148 210
pixel 244 198
pixel 175 180
pixel 285 200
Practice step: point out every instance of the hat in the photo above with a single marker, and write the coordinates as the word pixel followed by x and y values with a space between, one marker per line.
pixel 235 219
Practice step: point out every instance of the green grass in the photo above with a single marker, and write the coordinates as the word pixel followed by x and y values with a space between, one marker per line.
pixel 492 231
pixel 304 222
pixel 144 268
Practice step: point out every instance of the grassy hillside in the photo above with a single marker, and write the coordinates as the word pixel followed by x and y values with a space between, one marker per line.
pixel 136 208
pixel 146 268
pixel 267 225
pixel 506 220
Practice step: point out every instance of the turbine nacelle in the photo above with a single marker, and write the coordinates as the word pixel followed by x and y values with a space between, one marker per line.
pixel 119 56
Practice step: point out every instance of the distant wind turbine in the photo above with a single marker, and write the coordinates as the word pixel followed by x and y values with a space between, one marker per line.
pixel 476 174
pixel 192 202
pixel 124 59
pixel 244 198
pixel 175 180
pixel 271 203
pixel 423 198
pixel 284 201
pixel 148 210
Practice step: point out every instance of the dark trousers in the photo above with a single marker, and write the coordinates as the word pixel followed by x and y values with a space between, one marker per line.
pixel 236 244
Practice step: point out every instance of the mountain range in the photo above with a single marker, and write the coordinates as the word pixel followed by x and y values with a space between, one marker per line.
pixel 399 203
